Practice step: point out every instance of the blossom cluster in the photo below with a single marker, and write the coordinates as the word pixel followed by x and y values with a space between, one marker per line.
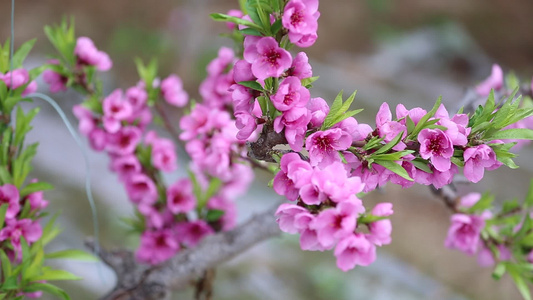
pixel 497 82
pixel 17 78
pixel 329 214
pixel 332 156
pixel 21 207
pixel 181 214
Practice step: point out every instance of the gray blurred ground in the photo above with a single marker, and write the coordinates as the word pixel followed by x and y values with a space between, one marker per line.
pixel 407 54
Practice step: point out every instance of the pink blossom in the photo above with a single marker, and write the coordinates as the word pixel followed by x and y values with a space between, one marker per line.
pixel 287 214
pixel 283 184
pixel 324 146
pixel 87 122
pixel 438 179
pixel 464 232
pixel 243 98
pixel 164 156
pixel 270 60
pixel 229 218
pixel 241 177
pixel 300 67
pixel 354 250
pixel 155 217
pixel 87 54
pixel 477 159
pixel 294 121
pixel 202 120
pixel 456 128
pixel 116 109
pixel 469 200
pixel 290 94
pixel 157 246
pixel 495 81
pixel 486 259
pixel 141 189
pixel 98 139
pixel 309 241
pixel 380 231
pixel 136 97
pixel 246 124
pixel 336 223
pixel 124 141
pixel 411 171
pixel 358 132
pixel 372 178
pixel 436 146
pixel 387 128
pixel 173 92
pixel 301 19
pixel 15 229
pixel 242 71
pixel 9 195
pixel 16 78
pixel 36 199
pixel 191 233
pixel 56 81
pixel 180 198
pixel 415 114
pixel 126 166
pixel 319 109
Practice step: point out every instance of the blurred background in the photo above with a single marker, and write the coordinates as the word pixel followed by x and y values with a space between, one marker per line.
pixel 406 52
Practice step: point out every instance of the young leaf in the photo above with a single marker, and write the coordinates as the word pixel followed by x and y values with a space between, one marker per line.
pixel 254 85
pixel 239 21
pixel 22 52
pixel 394 167
pixel 514 134
pixel 214 215
pixel 47 288
pixel 35 187
pixel 52 275
pixel 73 254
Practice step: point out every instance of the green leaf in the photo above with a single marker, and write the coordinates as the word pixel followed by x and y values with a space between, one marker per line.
pixel 53 275
pixel 239 21
pixel 3 210
pixel 308 81
pixel 511 81
pixel 390 144
pixel 422 165
pixel 254 85
pixel 369 218
pixel 338 111
pixel 394 167
pixel 498 271
pixel 22 52
pixel 5 176
pixel 250 31
pixel 214 215
pixel 212 189
pixel 484 203
pixel 6 264
pixel 423 121
pixel 515 134
pixel 47 288
pixel 36 263
pixel 521 284
pixel 73 254
pixel 35 187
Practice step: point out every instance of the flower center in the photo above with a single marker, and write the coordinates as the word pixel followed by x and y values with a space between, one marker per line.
pixel 272 57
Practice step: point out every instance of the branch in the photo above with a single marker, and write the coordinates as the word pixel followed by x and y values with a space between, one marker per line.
pixel 136 281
